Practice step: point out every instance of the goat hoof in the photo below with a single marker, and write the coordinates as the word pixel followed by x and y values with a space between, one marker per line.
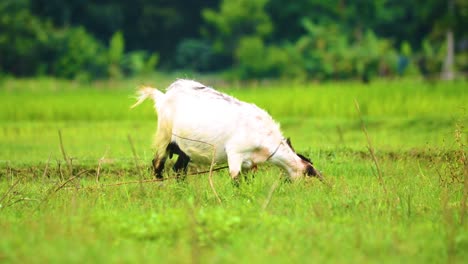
pixel 181 178
pixel 236 183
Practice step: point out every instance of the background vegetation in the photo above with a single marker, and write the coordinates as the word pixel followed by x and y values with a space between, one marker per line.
pixel 304 39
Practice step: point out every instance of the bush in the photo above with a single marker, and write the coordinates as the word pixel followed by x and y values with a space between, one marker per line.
pixel 23 38
pixel 251 57
pixel 75 54
pixel 31 46
pixel 430 59
pixel 139 62
pixel 326 52
pixel 257 60
pixel 196 55
pixel 115 54
pixel 373 57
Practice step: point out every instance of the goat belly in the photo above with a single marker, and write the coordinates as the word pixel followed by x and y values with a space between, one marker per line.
pixel 200 146
pixel 204 130
pixel 201 153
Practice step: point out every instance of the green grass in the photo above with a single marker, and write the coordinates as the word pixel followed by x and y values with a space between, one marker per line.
pixel 418 131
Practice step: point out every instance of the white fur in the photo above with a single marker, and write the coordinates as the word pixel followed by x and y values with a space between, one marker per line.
pixel 200 119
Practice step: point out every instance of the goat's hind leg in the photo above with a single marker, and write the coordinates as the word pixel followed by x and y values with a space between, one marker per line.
pixel 158 167
pixel 159 161
pixel 161 141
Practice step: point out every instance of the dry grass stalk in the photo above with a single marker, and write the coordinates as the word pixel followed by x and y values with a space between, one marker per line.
pixel 135 158
pixel 270 195
pixel 371 148
pixel 53 190
pixel 9 190
pixel 69 180
pixel 46 168
pixel 210 176
pixel 59 167
pixel 157 180
pixel 98 170
pixel 65 157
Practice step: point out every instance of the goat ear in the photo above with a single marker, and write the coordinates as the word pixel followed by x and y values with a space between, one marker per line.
pixel 288 141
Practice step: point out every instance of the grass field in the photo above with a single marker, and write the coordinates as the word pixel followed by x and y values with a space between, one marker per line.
pixel 409 205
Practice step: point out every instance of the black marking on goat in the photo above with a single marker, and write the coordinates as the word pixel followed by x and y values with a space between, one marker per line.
pixel 288 141
pixel 311 171
pixel 218 95
pixel 229 99
pixel 304 158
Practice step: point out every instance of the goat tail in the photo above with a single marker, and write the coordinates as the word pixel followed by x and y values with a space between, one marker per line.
pixel 147 92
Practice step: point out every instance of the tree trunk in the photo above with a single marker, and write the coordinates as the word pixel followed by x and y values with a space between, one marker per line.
pixel 448 69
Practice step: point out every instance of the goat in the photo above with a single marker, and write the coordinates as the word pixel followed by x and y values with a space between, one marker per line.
pixel 196 122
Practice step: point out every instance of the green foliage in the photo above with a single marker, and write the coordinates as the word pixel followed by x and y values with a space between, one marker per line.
pixel 77 55
pixel 23 38
pixel 31 46
pixel 430 58
pixel 255 59
pixel 461 61
pixel 366 37
pixel 252 57
pixel 196 55
pixel 116 53
pixel 327 52
pixel 407 65
pixel 234 20
pixel 139 62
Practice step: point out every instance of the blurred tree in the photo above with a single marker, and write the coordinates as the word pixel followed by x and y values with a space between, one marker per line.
pixel 217 34
pixel 196 55
pixel 325 52
pixel 139 62
pixel 116 53
pixel 23 38
pixel 353 16
pixel 234 20
pixel 74 53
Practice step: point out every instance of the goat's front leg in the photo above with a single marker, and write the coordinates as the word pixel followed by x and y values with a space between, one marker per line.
pixel 180 167
pixel 235 165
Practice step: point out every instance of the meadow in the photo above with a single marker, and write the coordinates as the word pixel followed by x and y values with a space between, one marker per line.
pixel 74 165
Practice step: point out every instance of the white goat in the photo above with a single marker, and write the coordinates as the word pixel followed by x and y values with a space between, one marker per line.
pixel 197 122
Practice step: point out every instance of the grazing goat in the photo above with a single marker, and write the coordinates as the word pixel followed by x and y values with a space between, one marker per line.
pixel 196 122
